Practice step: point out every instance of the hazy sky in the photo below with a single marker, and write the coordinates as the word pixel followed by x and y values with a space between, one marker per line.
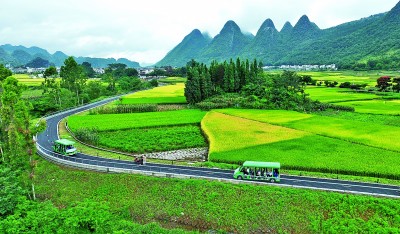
pixel 145 31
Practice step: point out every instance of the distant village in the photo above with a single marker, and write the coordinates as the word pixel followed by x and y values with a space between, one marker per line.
pixel 331 67
pixel 144 73
pixel 148 72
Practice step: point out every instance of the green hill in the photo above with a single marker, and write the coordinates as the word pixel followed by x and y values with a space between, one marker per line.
pixel 373 42
pixel 190 47
pixel 21 55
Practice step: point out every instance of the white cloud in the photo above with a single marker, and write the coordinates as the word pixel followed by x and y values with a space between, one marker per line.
pixel 145 31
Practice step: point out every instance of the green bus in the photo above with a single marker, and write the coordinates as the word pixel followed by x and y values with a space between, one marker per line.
pixel 64 147
pixel 265 171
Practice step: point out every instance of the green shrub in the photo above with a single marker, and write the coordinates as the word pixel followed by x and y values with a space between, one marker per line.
pixel 88 135
pixel 124 108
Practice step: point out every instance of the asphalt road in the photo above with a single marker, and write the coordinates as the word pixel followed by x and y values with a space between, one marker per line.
pixel 46 138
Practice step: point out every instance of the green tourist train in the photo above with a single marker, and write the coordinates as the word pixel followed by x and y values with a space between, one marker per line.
pixel 64 147
pixel 265 171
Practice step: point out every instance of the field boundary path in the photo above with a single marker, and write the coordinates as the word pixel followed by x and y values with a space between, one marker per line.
pixel 88 162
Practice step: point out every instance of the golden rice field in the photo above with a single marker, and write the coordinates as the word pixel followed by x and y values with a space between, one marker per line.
pixel 375 135
pixel 241 133
pixel 303 141
pixel 169 94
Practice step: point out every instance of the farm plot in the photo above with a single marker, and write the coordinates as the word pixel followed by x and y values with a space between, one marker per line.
pixel 295 149
pixel 352 77
pixel 385 107
pixel 112 122
pixel 173 80
pixel 375 135
pixel 153 139
pixel 170 94
pixel 332 95
pixel 231 133
pixel 145 132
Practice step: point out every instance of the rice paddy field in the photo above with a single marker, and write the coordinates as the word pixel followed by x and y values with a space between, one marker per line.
pixel 372 103
pixel 311 142
pixel 169 94
pixel 334 95
pixel 112 122
pixel 173 80
pixel 357 77
pixel 145 132
pixel 388 107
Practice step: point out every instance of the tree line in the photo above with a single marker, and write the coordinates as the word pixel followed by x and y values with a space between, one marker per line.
pixel 244 84
pixel 75 88
pixel 227 77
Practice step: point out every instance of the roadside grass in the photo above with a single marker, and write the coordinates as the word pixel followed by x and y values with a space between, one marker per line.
pixel 153 139
pixel 386 107
pixel 112 122
pixel 210 205
pixel 371 134
pixel 163 94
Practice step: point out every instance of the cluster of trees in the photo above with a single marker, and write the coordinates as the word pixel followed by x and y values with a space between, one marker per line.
pixel 388 62
pixel 17 146
pixel 75 87
pixel 385 84
pixel 19 210
pixel 244 84
pixel 227 77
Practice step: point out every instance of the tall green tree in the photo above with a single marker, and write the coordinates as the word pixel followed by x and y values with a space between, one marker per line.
pixel 88 69
pixel 73 78
pixel 4 72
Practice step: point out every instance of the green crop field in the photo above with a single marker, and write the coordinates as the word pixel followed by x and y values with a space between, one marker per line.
pixel 388 107
pixel 170 94
pixel 173 80
pixel 375 135
pixel 303 141
pixel 231 133
pixel 391 120
pixel 356 77
pixel 208 205
pixel 332 95
pixel 153 139
pixel 112 122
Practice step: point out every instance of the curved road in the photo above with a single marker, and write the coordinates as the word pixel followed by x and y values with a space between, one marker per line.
pixel 45 139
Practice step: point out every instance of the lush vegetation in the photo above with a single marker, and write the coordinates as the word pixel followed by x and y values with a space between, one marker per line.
pixel 302 142
pixel 206 205
pixel 75 88
pixel 21 55
pixel 368 43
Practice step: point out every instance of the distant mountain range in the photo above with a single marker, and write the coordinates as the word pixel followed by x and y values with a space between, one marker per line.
pixel 373 37
pixel 21 55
